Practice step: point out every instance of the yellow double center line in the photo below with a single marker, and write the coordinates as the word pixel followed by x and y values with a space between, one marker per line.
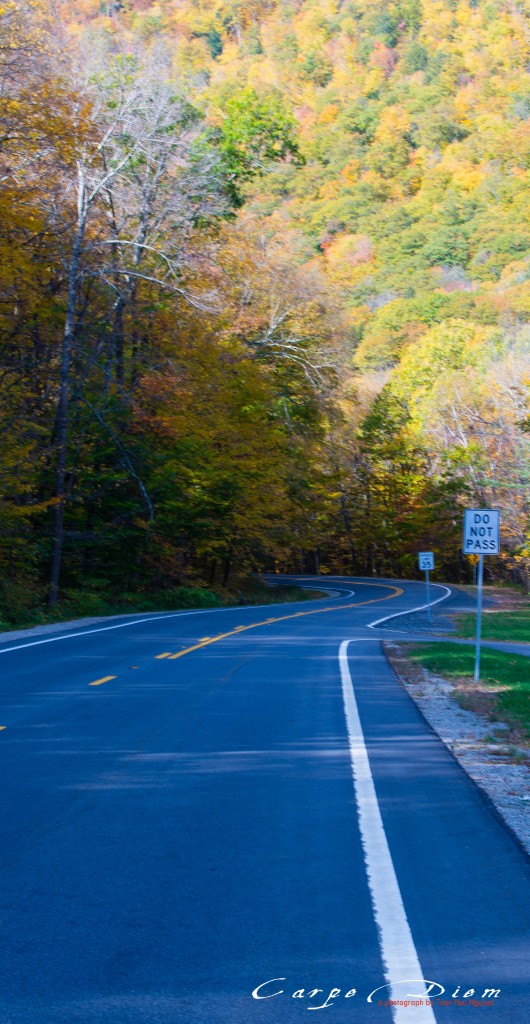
pixel 207 640
pixel 396 592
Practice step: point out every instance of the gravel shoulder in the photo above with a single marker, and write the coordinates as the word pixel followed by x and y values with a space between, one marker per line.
pixel 482 747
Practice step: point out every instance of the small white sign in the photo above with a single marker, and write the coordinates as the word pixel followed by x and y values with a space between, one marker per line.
pixel 482 531
pixel 426 560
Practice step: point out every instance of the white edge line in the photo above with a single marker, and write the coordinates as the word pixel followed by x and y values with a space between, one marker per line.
pixel 158 618
pixel 409 611
pixel 398 952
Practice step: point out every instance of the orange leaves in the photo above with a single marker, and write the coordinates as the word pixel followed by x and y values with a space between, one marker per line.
pixel 329 114
pixel 384 57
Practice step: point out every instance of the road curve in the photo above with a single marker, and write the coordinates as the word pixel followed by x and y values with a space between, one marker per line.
pixel 201 806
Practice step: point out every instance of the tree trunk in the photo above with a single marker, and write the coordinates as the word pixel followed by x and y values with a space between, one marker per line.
pixel 115 355
pixel 118 345
pixel 347 528
pixel 61 421
pixel 227 567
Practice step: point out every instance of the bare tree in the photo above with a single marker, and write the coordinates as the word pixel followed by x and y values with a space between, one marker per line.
pixel 123 210
pixel 280 305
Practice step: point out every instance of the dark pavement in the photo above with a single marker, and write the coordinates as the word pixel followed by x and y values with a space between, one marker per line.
pixel 187 829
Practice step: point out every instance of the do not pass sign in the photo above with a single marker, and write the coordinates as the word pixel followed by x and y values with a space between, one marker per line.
pixel 481 531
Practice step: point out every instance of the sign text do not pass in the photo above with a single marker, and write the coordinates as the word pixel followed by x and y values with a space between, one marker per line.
pixel 481 537
pixel 481 531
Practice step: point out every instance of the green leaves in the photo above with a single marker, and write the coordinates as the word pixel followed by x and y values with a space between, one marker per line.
pixel 254 132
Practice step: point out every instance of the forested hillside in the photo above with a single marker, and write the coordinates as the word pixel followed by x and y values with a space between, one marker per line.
pixel 264 290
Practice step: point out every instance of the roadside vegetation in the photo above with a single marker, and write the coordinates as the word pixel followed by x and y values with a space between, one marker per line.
pixel 247 591
pixel 503 692
pixel 264 301
pixel 498 625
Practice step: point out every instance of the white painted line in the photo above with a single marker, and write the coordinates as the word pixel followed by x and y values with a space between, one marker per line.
pixel 158 618
pixel 409 611
pixel 398 952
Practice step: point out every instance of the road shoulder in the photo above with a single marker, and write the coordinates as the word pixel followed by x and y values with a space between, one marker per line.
pixel 49 628
pixel 478 744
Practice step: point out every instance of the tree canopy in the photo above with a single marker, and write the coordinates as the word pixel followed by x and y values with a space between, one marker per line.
pixel 264 292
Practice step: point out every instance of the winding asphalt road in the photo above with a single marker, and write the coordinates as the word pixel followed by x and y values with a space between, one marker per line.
pixel 201 806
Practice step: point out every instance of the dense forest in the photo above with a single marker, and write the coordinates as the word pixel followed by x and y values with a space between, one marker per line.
pixel 264 291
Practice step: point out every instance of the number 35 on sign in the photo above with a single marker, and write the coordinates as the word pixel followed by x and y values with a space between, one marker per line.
pixel 481 531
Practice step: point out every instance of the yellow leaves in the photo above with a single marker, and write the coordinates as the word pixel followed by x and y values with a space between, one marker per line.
pixel 263 73
pixel 359 316
pixel 331 190
pixel 378 186
pixel 192 55
pixel 228 59
pixel 466 16
pixel 512 293
pixel 508 41
pixel 465 104
pixel 350 27
pixel 352 171
pixel 373 81
pixel 445 363
pixel 468 177
pixel 436 24
pixel 394 122
pixel 346 257
pixel 312 28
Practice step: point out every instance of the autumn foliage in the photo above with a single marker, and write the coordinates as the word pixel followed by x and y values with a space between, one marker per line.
pixel 264 292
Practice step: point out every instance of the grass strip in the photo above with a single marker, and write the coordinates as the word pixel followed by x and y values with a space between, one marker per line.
pixel 497 625
pixel 507 676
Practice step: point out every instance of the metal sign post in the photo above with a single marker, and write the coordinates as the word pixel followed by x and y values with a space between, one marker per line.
pixel 481 537
pixel 426 562
pixel 479 617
